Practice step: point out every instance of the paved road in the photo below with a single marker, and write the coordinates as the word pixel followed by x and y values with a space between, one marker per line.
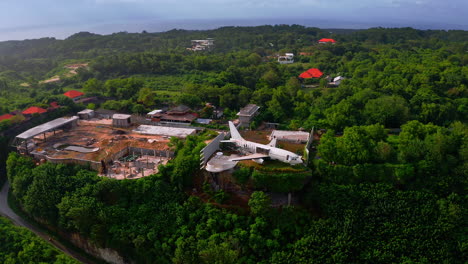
pixel 6 211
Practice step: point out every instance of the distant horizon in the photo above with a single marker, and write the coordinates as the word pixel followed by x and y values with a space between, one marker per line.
pixel 64 31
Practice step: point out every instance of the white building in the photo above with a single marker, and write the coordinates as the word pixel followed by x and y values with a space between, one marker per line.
pixel 336 81
pixel 202 44
pixel 286 59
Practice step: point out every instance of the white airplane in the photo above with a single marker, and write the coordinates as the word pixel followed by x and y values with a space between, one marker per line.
pixel 261 151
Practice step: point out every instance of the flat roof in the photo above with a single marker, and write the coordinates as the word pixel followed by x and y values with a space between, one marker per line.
pixel 121 116
pixel 46 127
pixel 248 110
pixel 205 121
pixel 165 131
pixel 86 111
pixel 155 112
pixel 290 135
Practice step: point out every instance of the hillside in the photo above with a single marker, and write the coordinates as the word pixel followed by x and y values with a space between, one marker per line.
pixel 367 196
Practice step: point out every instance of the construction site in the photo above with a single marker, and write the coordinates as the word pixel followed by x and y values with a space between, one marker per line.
pixel 119 152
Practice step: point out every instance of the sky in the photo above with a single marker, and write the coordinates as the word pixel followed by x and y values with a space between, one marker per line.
pixel 26 19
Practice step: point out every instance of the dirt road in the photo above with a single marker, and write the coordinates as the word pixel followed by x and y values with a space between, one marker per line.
pixel 6 211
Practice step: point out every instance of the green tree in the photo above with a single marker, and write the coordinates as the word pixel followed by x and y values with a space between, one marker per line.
pixel 218 253
pixel 259 203
pixel 93 86
pixel 391 111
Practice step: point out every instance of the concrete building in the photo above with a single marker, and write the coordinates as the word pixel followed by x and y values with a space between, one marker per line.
pixel 121 120
pixel 247 113
pixel 165 131
pixel 86 114
pixel 290 136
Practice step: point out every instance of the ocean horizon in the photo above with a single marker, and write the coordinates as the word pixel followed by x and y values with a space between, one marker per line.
pixel 62 31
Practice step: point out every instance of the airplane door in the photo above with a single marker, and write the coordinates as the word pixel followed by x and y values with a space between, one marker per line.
pixel 262 151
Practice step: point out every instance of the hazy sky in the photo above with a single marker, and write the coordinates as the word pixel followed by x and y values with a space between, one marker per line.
pixel 21 19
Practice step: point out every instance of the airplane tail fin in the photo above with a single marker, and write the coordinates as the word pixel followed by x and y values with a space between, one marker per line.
pixel 234 133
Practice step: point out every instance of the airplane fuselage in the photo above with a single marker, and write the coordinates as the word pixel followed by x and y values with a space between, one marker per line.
pixel 272 152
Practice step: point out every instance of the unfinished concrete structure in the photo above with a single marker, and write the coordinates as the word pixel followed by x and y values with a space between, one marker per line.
pixel 290 136
pixel 23 140
pixel 121 120
pixel 86 114
pixel 165 131
pixel 96 144
pixel 247 114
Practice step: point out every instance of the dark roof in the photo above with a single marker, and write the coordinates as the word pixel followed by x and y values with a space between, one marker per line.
pixel 184 118
pixel 105 111
pixel 93 99
pixel 179 109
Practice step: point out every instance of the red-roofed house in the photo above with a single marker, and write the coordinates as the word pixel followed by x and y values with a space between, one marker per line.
pixel 326 40
pixel 54 105
pixel 34 110
pixel 6 117
pixel 311 73
pixel 74 95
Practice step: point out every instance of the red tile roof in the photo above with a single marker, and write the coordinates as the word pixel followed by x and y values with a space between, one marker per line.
pixel 311 73
pixel 327 40
pixel 73 94
pixel 6 117
pixel 34 110
pixel 54 105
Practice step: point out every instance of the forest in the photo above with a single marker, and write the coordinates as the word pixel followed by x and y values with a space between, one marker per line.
pixel 19 245
pixel 388 181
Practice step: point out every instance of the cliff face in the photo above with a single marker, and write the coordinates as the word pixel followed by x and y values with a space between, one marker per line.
pixel 106 254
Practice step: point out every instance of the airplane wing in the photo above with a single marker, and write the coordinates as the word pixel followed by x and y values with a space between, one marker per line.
pixel 249 157
pixel 272 143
